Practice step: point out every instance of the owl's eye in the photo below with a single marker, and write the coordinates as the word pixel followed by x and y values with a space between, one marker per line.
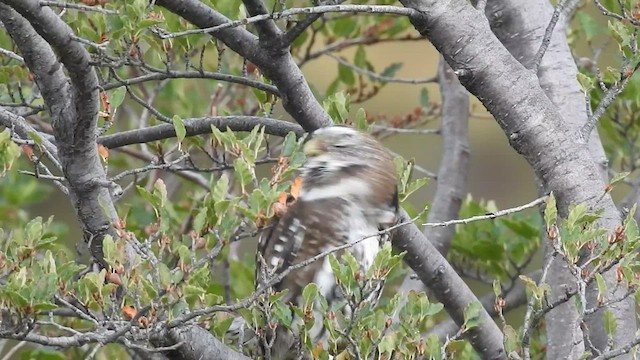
pixel 340 146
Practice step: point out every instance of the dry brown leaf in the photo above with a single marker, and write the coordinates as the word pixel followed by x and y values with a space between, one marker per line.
pixel 103 151
pixel 295 187
pixel 129 312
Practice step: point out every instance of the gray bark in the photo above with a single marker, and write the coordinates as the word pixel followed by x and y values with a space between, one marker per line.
pixel 197 344
pixel 199 126
pixel 271 55
pixel 277 64
pixel 453 170
pixel 520 25
pixel 454 166
pixel 437 274
pixel 73 104
pixel 534 125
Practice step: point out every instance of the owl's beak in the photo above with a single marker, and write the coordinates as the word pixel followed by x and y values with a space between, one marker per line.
pixel 314 147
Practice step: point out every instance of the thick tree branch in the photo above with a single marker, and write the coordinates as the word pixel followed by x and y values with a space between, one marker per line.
pixel 521 26
pixel 266 28
pixel 73 105
pixel 276 63
pixel 516 297
pixel 197 343
pixel 454 166
pixel 513 95
pixel 198 127
pixel 438 275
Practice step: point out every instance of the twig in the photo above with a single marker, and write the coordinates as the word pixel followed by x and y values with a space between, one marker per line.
pixel 406 131
pixel 379 77
pixel 66 5
pixel 370 9
pixel 14 350
pixel 504 212
pixel 11 54
pixel 174 74
pixel 546 40
pixel 45 177
pixel 619 351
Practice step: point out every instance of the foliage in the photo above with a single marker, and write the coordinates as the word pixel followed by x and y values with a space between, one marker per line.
pixel 193 206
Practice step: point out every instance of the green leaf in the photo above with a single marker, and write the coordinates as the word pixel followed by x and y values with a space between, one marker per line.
pixel 117 97
pixel 181 131
pixel 387 344
pixel 602 286
pixel 586 82
pixel 620 32
pixel 243 172
pixel 472 315
pixel 220 190
pixel 424 97
pixel 310 293
pixel 550 211
pixel 510 339
pixel 610 322
pixel 361 120
pixel 109 248
pixel 618 177
pixel 588 25
pixel 497 289
pixel 346 75
pixel 165 275
pixel 360 58
pixel 290 144
pixel 391 70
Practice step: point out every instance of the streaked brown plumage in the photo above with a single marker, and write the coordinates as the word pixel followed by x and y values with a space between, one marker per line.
pixel 349 191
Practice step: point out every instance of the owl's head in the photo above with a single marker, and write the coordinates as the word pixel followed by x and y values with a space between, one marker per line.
pixel 338 153
pixel 341 146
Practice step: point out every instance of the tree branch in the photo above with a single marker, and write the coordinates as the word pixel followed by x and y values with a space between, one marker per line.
pixel 196 342
pixel 520 28
pixel 454 165
pixel 512 94
pixel 73 105
pixel 437 274
pixel 200 126
pixel 276 63
pixel 193 74
pixel 267 29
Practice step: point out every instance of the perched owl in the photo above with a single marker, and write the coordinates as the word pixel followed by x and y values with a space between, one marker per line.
pixel 349 191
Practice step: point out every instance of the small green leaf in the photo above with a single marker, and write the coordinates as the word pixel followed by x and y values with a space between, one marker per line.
pixel 178 125
pixel 424 97
pixel 550 211
pixel 610 322
pixel 510 338
pixel 165 274
pixel 586 82
pixel 602 286
pixel 618 177
pixel 361 120
pixel 310 293
pixel 391 70
pixel 620 32
pixel 588 25
pixel 117 97
pixel 346 75
pixel 472 315
pixel 220 190
pixel 497 289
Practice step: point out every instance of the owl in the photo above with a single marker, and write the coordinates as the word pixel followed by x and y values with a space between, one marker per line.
pixel 348 192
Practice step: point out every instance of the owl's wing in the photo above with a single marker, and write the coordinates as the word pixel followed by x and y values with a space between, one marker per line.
pixel 306 230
